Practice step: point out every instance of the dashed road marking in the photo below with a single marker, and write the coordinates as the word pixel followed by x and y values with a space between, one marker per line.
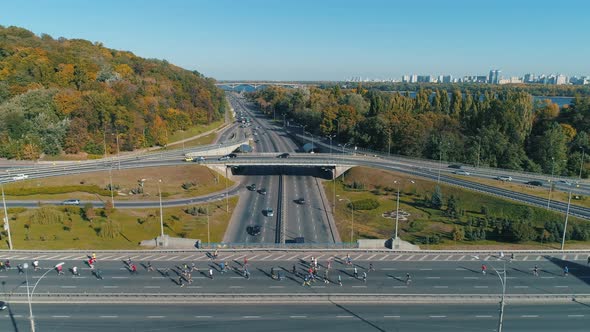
pixel 343 316
pixel 483 316
pixel 432 277
pixel 152 317
pixel 391 316
pixel 110 286
pixel 437 316
pixel 246 317
pixel 202 316
pixel 108 316
pixel 151 286
pixel 575 315
pixel 529 316
pixel 521 286
pixel 68 286
pixel 300 316
pixel 60 316
pixel 441 286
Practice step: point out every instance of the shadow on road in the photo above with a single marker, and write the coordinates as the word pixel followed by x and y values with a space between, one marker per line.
pixel 576 270
pixel 369 323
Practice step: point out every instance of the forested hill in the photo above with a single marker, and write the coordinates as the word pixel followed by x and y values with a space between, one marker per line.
pixel 504 129
pixel 72 96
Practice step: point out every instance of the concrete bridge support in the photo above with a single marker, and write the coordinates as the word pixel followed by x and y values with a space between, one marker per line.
pixel 223 170
pixel 339 170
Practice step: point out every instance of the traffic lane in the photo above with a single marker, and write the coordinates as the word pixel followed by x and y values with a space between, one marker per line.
pixel 440 278
pixel 258 202
pixel 295 317
pixel 317 208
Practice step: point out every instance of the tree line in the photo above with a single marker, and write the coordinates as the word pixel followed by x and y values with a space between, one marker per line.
pixel 503 128
pixel 71 96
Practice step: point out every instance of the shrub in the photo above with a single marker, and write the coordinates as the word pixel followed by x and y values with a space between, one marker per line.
pixel 364 204
pixel 47 215
pixel 109 229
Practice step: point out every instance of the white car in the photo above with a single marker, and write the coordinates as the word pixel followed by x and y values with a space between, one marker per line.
pixel 462 173
pixel 504 178
pixel 20 177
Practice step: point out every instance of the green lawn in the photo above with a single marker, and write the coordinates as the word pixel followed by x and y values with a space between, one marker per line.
pixel 135 225
pixel 423 220
pixel 193 131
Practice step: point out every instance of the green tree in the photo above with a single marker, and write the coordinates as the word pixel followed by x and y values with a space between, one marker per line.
pixel 436 200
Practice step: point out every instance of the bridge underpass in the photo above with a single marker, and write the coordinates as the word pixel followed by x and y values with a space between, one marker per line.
pixel 281 188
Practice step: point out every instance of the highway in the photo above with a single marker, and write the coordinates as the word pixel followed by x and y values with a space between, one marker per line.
pixel 295 317
pixel 309 222
pixel 432 275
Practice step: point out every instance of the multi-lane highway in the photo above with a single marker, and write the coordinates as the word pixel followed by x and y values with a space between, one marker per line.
pixel 283 186
pixel 61 317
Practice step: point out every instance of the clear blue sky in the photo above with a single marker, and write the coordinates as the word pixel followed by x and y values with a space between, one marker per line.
pixel 327 39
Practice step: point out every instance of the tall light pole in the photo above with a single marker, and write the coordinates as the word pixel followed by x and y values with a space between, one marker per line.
pixel 161 211
pixel 6 222
pixel 111 185
pixel 330 137
pixel 439 166
pixel 117 140
pixel 30 294
pixel 478 151
pixel 337 127
pixel 551 181
pixel 351 218
pixel 567 213
pixel 208 229
pixel 397 207
pixel 502 277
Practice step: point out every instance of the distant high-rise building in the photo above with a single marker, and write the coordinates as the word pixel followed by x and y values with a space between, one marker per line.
pixel 529 78
pixel 414 78
pixel 560 79
pixel 406 78
pixel 447 79
pixel 494 77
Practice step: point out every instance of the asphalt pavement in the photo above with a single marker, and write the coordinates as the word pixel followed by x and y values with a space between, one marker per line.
pixel 295 317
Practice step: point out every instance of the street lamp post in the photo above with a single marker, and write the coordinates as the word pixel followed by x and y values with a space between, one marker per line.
pixel 111 185
pixel 351 218
pixel 439 166
pixel 337 127
pixel 30 294
pixel 397 208
pixel 330 137
pixel 551 181
pixel 208 229
pixel 478 151
pixel 567 213
pixel 161 211
pixel 503 282
pixel 6 222
pixel 118 158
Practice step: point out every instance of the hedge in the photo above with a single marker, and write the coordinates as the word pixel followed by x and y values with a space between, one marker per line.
pixel 365 204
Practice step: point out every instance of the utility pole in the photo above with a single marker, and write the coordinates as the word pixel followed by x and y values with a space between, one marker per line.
pixel 6 222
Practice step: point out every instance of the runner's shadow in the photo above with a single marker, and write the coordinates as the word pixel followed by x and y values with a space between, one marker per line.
pixel 400 279
pixel 472 270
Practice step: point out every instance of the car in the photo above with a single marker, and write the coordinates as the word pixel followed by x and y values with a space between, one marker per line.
pixel 223 158
pixel 535 183
pixel 20 177
pixel 455 166
pixel 252 187
pixel 566 182
pixel 262 191
pixel 199 159
pixel 254 230
pixel 300 201
pixel 462 173
pixel 188 159
pixel 71 202
pixel 3 305
pixel 232 155
pixel 283 155
pixel 268 212
pixel 504 178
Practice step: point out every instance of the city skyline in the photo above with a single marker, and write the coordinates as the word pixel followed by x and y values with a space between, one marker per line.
pixel 329 40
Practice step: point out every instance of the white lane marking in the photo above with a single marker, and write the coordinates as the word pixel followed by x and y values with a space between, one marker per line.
pixel 298 316
pixel 384 256
pixel 432 277
pixel 276 287
pixel 388 269
pixel 194 286
pixel 481 286
pixel 538 258
pixel 410 258
pixel 202 316
pixel 236 287
pixel 462 257
pixel 547 277
pixel 120 277
pixel 279 257
pixel 470 277
pixel 525 258
pixel 529 316
pixel 371 257
pixel 60 316
pixel 266 257
pixel 68 286
pixel 359 286
pixel 156 316
pixel 343 316
pixel 250 316
pixel 158 277
pixel 425 269
pixel 483 316
pixel 400 286
pixel 391 316
pixel 435 257
pixel 575 315
pixel 108 316
pixel 437 316
pixel 460 269
pixel 423 257
pixel 441 286
pixel 576 257
pixel 110 286
pixel 521 286
pixel 319 286
pixel 151 286
pixel 448 257
pixel 561 286
pixel 396 257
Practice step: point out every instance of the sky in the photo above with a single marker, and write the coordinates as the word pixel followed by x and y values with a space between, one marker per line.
pixel 327 39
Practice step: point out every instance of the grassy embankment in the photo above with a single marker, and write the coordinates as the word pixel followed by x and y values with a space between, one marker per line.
pixel 94 186
pixel 423 220
pixel 70 228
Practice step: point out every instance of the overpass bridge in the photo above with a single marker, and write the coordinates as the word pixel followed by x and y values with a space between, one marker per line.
pixel 232 85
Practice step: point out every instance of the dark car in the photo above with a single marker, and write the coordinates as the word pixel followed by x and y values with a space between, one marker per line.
pixel 268 212
pixel 262 191
pixel 2 305
pixel 455 166
pixel 232 155
pixel 283 155
pixel 253 230
pixel 252 187
pixel 300 201
pixel 535 183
